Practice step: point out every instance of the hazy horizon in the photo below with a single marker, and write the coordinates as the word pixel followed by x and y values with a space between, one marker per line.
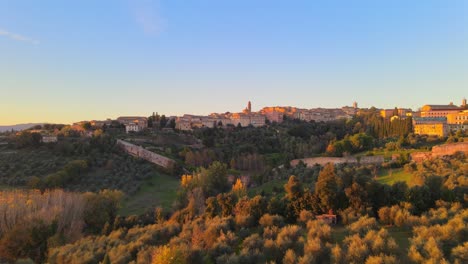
pixel 62 62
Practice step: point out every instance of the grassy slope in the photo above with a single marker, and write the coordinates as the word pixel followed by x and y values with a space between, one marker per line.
pixel 160 190
pixel 390 176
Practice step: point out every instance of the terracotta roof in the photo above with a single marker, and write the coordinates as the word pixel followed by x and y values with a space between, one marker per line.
pixel 443 107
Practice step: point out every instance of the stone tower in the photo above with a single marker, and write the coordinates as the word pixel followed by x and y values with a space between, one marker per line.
pixel 249 107
pixel 355 105
pixel 464 103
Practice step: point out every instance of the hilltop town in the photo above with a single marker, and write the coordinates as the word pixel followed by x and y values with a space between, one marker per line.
pixel 430 119
pixel 154 189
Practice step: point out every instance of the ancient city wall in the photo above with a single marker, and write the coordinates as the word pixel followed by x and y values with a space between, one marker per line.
pixel 339 160
pixel 441 150
pixel 379 159
pixel 145 154
pixel 449 149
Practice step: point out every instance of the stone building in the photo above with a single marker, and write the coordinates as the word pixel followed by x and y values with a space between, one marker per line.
pixel 183 124
pixel 240 118
pixel 188 122
pixel 142 121
pixel 101 123
pixel 439 110
pixel 274 116
pixel 132 127
pixel 400 112
pixel 133 123
pixel 257 120
pixel 436 126
pixel 458 120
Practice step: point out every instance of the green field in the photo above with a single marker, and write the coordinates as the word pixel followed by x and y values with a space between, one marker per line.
pixel 390 176
pixel 160 190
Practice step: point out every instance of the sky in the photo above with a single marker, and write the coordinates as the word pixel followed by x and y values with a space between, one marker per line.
pixel 66 61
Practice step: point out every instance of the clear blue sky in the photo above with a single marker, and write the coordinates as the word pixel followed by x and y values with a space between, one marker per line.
pixel 63 61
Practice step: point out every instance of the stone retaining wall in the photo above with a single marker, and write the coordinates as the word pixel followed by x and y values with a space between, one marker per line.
pixel 365 160
pixel 441 150
pixel 145 154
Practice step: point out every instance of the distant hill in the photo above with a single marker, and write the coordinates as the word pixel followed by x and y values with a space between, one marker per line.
pixel 18 127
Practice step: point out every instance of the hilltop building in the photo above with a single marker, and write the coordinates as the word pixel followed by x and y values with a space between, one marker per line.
pixel 244 118
pixel 436 126
pixel 441 119
pixel 399 112
pixel 439 110
pixel 322 114
pixel 101 123
pixel 133 123
pixel 458 120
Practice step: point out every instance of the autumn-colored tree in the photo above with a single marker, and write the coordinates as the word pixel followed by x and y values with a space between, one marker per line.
pixel 357 196
pixel 30 219
pixel 185 180
pixel 239 188
pixel 168 255
pixel 293 188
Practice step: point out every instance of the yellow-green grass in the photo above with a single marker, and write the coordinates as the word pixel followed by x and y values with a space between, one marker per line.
pixel 387 154
pixel 267 187
pixel 390 176
pixel 160 190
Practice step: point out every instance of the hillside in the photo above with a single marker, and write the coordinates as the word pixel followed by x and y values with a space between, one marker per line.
pixel 18 127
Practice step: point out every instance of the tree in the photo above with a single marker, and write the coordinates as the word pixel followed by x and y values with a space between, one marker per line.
pixel 172 123
pixel 326 187
pixel 213 180
pixel 27 139
pixel 168 255
pixel 420 198
pixel 357 196
pixel 239 188
pixel 163 121
pixel 101 208
pixel 86 125
pixel 293 188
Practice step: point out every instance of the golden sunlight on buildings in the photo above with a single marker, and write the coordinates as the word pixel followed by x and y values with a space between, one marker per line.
pixel 439 120
pixel 435 126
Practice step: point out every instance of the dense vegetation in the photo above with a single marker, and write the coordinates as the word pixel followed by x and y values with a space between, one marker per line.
pixel 65 213
pixel 229 227
pixel 78 164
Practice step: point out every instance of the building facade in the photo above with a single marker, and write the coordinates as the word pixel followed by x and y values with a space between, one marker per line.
pixel 439 110
pixel 433 126
pixel 458 121
pixel 133 123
